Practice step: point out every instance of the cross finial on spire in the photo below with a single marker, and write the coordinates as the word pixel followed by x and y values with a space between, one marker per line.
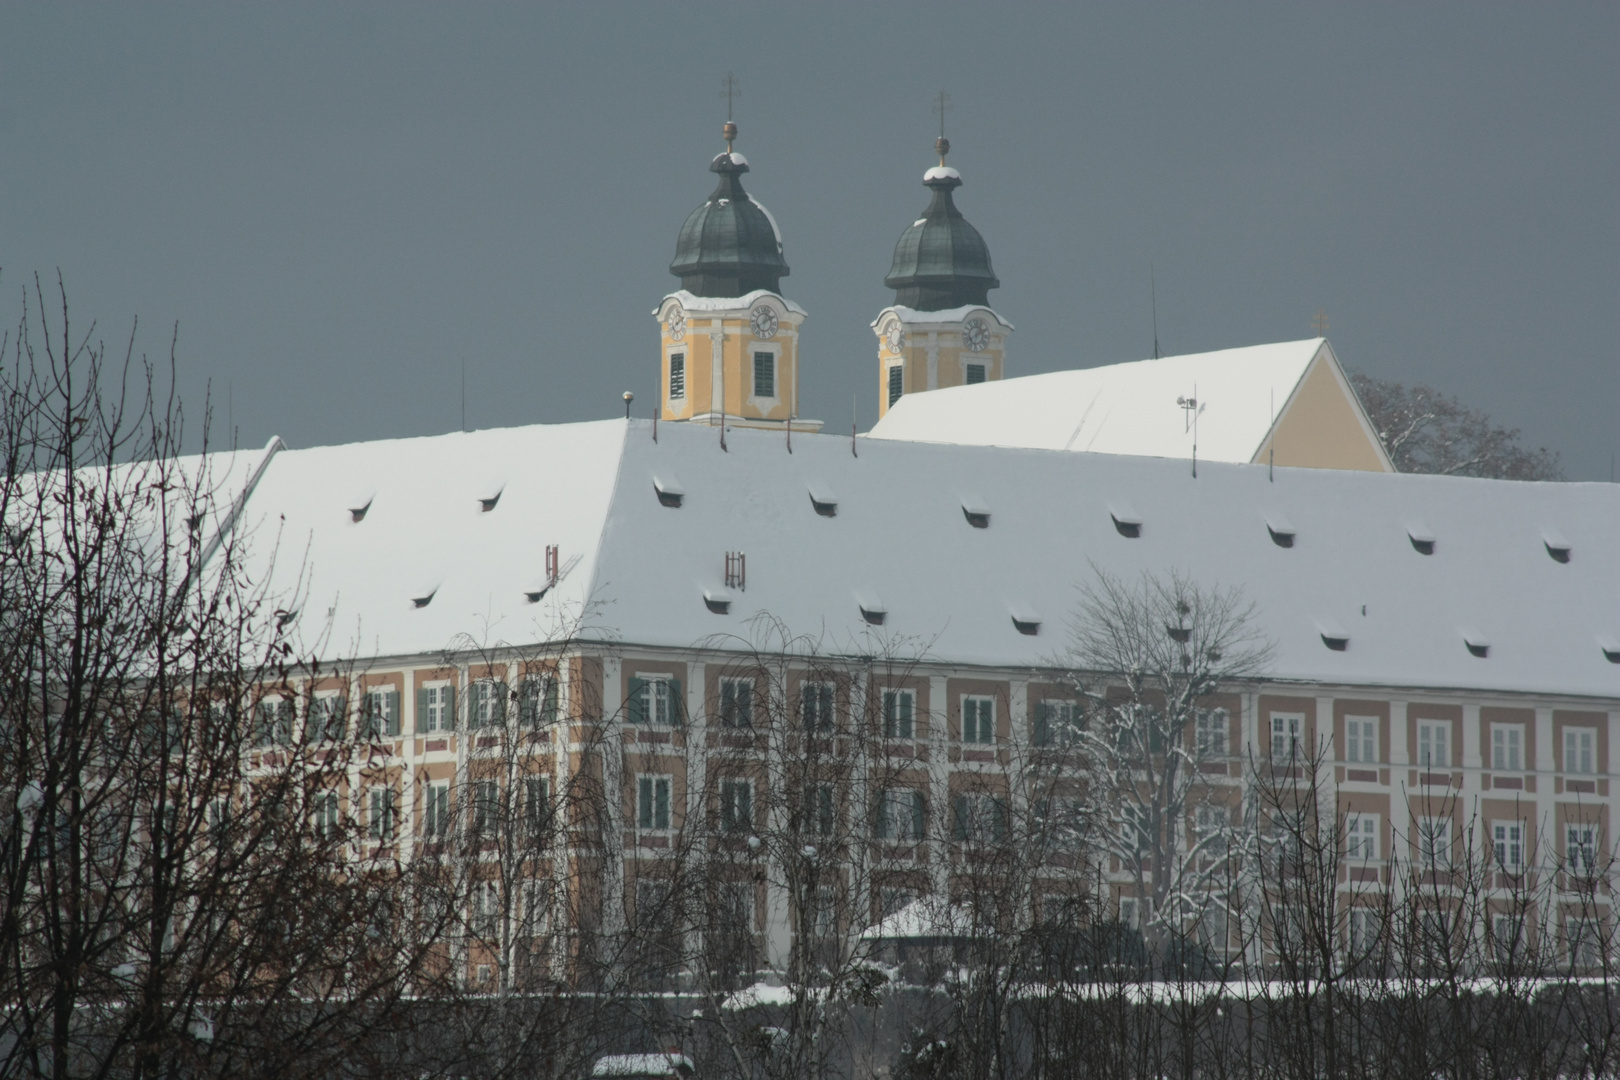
pixel 942 145
pixel 730 92
pixel 1319 323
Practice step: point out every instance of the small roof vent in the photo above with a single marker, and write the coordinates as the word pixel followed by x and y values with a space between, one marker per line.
pixel 1611 649
pixel 976 512
pixel 823 500
pixel 1281 529
pixel 1422 538
pixel 670 492
pixel 1334 636
pixel 424 598
pixel 1557 546
pixel 1478 644
pixel 1025 619
pixel 873 609
pixel 1127 521
pixel 717 601
pixel 360 504
pixel 491 495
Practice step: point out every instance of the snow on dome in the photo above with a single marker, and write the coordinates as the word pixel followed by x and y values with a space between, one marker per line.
pixel 770 218
pixel 941 172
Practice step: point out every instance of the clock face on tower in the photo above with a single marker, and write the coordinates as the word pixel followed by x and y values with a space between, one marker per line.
pixel 676 324
pixel 895 336
pixel 763 322
pixel 976 335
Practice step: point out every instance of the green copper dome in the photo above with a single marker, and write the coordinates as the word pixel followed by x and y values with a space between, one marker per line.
pixel 941 262
pixel 729 246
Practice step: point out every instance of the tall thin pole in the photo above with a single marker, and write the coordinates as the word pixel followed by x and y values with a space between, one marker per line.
pixel 1153 296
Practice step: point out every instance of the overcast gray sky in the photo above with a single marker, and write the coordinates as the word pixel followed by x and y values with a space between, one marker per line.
pixel 342 205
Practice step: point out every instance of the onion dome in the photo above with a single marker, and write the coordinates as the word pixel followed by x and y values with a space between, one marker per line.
pixel 730 245
pixel 941 261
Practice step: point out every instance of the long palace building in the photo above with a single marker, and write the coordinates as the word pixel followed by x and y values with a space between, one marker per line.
pixel 1451 645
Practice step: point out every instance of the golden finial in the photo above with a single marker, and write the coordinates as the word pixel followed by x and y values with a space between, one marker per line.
pixel 730 93
pixel 942 145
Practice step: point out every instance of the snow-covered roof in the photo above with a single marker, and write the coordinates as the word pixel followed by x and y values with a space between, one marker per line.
pixel 1130 408
pixel 900 532
pixel 923 919
pixel 693 302
pixel 638 1065
pixel 911 315
pixel 941 172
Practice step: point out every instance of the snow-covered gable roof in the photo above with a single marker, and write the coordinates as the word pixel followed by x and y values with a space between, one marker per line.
pixel 900 531
pixel 1127 408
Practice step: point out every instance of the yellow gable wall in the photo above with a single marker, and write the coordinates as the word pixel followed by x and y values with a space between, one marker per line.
pixel 1321 427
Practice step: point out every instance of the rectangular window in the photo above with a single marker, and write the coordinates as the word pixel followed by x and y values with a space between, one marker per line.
pixel 816 706
pixel 382 713
pixel 897 377
pixel 1585 943
pixel 737 703
pixel 380 820
pixel 1361 836
pixel 975 374
pixel 435 707
pixel 654 699
pixel 652 802
pixel 1213 725
pixel 978 720
pixel 764 375
pixel 537 805
pixel 1507 840
pixel 737 902
pixel 677 375
pixel 1434 744
pixel 536 907
pixel 898 707
pixel 1134 910
pixel 1055 721
pixel 488 704
pixel 1434 841
pixel 1580 849
pixel 325 816
pixel 1366 925
pixel 1287 732
pixel 821 810
pixel 274 722
pixel 486 902
pixel 1578 750
pixel 1507 747
pixel 1361 739
pixel 1507 937
pixel 736 805
pixel 537 705
pixel 326 720
pixel 486 806
pixel 901 815
pixel 979 817
pixel 436 810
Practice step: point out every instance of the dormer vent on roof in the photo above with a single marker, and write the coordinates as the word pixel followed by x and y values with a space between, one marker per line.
pixel 1025 619
pixel 491 496
pixel 360 504
pixel 670 492
pixel 425 597
pixel 976 512
pixel 1478 644
pixel 717 601
pixel 1127 522
pixel 1334 636
pixel 1557 546
pixel 1422 538
pixel 823 500
pixel 1281 529
pixel 1611 649
pixel 872 608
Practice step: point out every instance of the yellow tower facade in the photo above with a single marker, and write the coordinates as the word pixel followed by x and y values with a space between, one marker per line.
pixel 927 350
pixel 731 359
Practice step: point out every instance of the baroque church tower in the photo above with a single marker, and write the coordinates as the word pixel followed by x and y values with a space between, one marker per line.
pixel 729 339
pixel 941 330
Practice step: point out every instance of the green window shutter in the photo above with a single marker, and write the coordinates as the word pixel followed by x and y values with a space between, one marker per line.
pixel 422 710
pixel 959 824
pixel 998 818
pixel 677 704
pixel 891 722
pixel 661 801
pixel 636 711
pixel 918 815
pixel 880 817
pixel 393 712
pixel 447 721
pixel 745 806
pixel 549 712
pixel 502 697
pixel 475 701
pixel 644 811
pixel 1043 724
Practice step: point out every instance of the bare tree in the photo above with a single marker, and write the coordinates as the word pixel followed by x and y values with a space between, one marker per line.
pixel 1426 431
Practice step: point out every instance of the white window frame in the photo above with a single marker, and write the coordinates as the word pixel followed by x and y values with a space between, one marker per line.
pixel 1434 841
pixel 730 787
pixel 737 696
pixel 893 697
pixel 648 788
pixel 327 816
pixel 898 816
pixel 1507 935
pixel 1287 738
pixel 658 702
pixel 486 804
pixel 1507 845
pixel 1366 924
pixel 1214 732
pixel 824 695
pixel 1361 740
pixel 1583 936
pixel 1580 848
pixel 979 705
pixel 436 809
pixel 382 813
pixel 440 715
pixel 1507 747
pixel 536 803
pixel 1361 836
pixel 741 904
pixel 1135 911
pixel 774 351
pixel 1580 744
pixel 1055 720
pixel 487 706
pixel 325 713
pixel 1434 744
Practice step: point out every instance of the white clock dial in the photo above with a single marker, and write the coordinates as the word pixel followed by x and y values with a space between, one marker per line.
pixel 676 324
pixel 763 322
pixel 895 336
pixel 976 335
